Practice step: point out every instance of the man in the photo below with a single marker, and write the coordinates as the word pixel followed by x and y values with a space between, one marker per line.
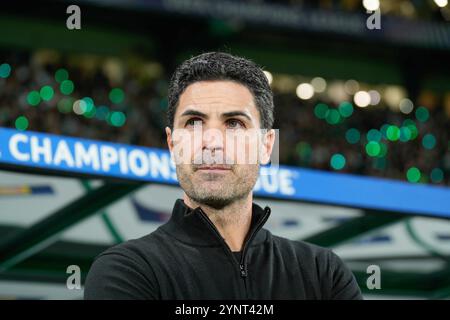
pixel 214 246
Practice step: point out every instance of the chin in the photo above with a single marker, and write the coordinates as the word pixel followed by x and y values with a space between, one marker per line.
pixel 215 201
pixel 213 189
pixel 212 181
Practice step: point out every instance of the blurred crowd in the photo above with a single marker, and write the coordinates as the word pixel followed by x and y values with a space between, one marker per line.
pixel 308 141
pixel 305 140
pixel 144 98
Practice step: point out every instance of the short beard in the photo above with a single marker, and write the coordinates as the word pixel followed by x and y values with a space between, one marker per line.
pixel 217 200
pixel 217 203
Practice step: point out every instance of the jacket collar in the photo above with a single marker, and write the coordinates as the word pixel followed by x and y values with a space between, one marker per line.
pixel 189 226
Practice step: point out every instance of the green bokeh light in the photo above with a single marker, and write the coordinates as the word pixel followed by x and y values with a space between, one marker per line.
pixel 117 118
pixel 437 175
pixel 422 114
pixel 61 75
pixel 46 93
pixel 373 148
pixel 21 123
pixel 337 161
pixel 383 130
pixel 89 103
pixel 321 110
pixel 352 135
pixel 405 134
pixel 414 131
pixel 429 141
pixel 383 150
pixel 116 95
pixel 333 116
pixel 393 133
pixel 413 174
pixel 5 70
pixel 346 109
pixel 374 135
pixel 33 98
pixel 89 111
pixel 66 87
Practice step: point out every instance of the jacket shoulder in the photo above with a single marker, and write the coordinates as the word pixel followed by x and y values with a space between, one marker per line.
pixel 123 272
pixel 134 248
pixel 335 279
pixel 302 248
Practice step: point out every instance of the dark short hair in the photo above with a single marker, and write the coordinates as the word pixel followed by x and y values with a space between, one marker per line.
pixel 222 66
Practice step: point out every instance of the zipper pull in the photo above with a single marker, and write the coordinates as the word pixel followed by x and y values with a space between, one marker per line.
pixel 243 271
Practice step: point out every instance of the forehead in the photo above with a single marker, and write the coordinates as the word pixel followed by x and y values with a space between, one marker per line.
pixel 217 97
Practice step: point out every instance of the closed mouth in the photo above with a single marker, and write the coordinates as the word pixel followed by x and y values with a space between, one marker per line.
pixel 213 168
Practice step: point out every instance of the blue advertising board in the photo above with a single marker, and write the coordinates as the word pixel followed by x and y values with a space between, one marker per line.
pixel 114 160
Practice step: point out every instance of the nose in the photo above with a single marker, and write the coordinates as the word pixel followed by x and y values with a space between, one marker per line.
pixel 213 138
pixel 213 146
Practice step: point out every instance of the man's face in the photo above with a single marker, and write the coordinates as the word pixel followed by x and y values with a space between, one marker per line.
pixel 209 115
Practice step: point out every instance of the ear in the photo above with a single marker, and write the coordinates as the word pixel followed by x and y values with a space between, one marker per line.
pixel 268 141
pixel 169 139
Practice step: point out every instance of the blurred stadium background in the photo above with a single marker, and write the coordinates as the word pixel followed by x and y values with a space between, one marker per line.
pixel 374 104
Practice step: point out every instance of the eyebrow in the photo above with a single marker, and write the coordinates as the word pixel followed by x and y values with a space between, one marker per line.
pixel 191 112
pixel 236 114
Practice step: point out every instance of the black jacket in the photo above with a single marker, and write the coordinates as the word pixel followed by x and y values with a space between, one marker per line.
pixel 186 258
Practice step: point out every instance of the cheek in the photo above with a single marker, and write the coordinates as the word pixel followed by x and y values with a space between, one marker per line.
pixel 246 175
pixel 184 170
pixel 242 151
pixel 187 144
pixel 247 153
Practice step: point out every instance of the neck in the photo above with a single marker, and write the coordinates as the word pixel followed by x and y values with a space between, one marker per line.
pixel 233 221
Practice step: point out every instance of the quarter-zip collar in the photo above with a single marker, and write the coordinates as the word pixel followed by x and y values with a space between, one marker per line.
pixel 189 226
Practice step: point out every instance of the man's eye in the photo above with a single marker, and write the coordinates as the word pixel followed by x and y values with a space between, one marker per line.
pixel 235 123
pixel 194 122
